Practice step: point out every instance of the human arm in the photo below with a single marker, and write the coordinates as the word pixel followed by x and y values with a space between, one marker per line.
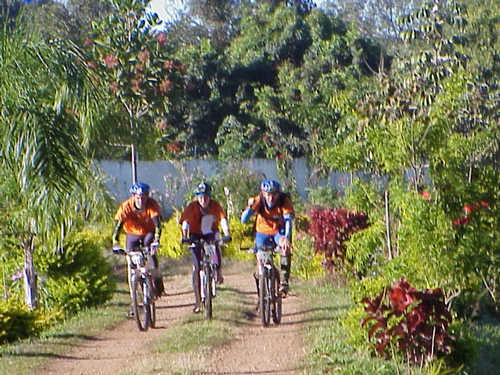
pixel 249 211
pixel 185 229
pixel 116 233
pixel 157 233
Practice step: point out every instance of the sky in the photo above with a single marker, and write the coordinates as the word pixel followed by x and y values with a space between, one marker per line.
pixel 166 9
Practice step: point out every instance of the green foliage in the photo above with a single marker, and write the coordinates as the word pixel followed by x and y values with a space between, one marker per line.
pixel 324 196
pixel 242 238
pixel 233 185
pixel 77 278
pixel 16 321
pixel 239 140
pixel 170 241
pixel 365 249
pixel 306 264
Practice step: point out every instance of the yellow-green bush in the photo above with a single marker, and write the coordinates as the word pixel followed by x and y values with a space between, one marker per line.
pixel 170 241
pixel 77 277
pixel 305 263
pixel 16 321
pixel 243 238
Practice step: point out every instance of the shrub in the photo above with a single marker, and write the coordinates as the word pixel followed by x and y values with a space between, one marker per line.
pixel 331 228
pixel 417 322
pixel 306 264
pixel 242 239
pixel 324 196
pixel 16 321
pixel 77 277
pixel 170 241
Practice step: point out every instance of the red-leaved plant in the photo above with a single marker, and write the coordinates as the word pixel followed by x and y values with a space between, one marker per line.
pixel 416 321
pixel 331 227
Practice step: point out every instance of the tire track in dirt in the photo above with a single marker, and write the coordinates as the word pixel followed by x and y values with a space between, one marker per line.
pixel 253 349
pixel 277 349
pixel 114 351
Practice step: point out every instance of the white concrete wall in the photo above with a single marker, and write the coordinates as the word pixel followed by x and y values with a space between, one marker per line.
pixel 157 173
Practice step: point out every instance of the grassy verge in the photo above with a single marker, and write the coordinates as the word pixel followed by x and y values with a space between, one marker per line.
pixel 28 356
pixel 484 338
pixel 329 352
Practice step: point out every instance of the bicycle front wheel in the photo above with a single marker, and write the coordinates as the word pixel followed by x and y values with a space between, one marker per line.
pixel 139 304
pixel 264 300
pixel 207 287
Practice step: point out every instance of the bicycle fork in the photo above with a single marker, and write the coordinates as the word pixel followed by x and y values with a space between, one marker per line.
pixel 204 281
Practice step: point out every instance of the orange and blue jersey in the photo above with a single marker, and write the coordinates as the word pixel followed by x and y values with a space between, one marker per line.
pixel 270 220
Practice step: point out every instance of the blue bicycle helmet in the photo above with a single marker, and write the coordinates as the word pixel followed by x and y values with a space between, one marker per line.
pixel 139 188
pixel 270 186
pixel 203 189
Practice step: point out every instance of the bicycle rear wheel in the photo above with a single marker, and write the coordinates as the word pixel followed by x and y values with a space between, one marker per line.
pixel 139 305
pixel 277 301
pixel 207 287
pixel 264 300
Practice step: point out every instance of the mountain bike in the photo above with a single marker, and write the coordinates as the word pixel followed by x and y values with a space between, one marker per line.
pixel 270 299
pixel 141 283
pixel 208 270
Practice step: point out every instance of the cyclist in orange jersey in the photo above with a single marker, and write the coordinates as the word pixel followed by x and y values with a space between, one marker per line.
pixel 201 219
pixel 140 217
pixel 273 224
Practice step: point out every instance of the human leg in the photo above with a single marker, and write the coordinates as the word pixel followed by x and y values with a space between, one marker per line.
pixel 196 258
pixel 285 265
pixel 158 286
pixel 131 242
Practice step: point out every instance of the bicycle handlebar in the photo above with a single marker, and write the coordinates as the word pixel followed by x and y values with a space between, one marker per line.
pixel 199 241
pixel 120 251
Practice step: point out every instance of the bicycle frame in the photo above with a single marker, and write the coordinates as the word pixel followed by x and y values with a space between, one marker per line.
pixel 141 284
pixel 139 270
pixel 207 273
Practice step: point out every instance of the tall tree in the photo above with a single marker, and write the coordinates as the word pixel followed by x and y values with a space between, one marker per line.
pixel 135 67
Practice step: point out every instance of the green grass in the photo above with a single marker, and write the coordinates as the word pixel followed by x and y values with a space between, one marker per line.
pixel 186 346
pixel 485 339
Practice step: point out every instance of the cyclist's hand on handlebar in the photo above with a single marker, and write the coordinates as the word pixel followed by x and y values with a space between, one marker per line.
pixel 285 246
pixel 154 247
pixel 226 239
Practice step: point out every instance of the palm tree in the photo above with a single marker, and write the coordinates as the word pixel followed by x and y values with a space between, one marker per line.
pixel 47 111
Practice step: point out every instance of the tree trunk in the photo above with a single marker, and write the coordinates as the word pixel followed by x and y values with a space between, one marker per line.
pixel 30 276
pixel 388 225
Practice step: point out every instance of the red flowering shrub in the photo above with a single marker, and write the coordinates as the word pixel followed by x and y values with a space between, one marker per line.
pixel 416 321
pixel 331 228
pixel 469 209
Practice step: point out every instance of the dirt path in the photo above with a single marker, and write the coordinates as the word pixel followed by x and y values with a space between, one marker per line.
pixel 253 349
